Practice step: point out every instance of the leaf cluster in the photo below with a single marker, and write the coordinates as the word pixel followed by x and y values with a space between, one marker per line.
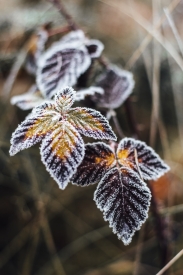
pixel 120 170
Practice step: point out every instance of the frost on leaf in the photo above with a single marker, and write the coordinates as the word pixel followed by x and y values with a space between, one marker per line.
pixel 32 130
pixel 73 36
pixel 117 84
pixel 61 65
pixel 91 123
pixel 29 100
pixel 150 164
pixel 53 123
pixel 61 152
pixel 124 200
pixel 98 159
pixel 121 195
pixel 65 99
pixel 81 94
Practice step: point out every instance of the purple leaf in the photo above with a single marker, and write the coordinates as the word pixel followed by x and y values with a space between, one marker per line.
pixel 150 164
pixel 98 160
pixel 124 200
pixel 61 65
pixel 117 84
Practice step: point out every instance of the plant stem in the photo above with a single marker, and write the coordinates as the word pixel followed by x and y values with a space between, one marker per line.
pixel 59 5
pixel 130 116
pixel 159 229
pixel 59 30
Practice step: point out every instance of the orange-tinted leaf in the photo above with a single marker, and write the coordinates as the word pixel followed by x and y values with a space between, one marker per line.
pixel 61 152
pixel 150 164
pixel 33 129
pixel 124 200
pixel 98 159
pixel 90 123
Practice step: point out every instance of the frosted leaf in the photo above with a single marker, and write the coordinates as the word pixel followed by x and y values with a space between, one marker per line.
pixel 117 84
pixel 65 98
pixel 47 108
pixel 98 159
pixel 61 65
pixel 90 123
pixel 61 152
pixel 73 36
pixel 124 200
pixel 36 48
pixel 95 47
pixel 28 100
pixel 31 131
pixel 81 94
pixel 150 164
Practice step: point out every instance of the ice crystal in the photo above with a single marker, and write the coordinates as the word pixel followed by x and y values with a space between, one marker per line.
pixel 58 126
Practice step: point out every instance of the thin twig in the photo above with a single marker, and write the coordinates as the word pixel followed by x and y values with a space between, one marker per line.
pixel 59 30
pixel 139 249
pixel 118 127
pixel 170 263
pixel 159 228
pixel 137 163
pixel 59 5
pixel 145 25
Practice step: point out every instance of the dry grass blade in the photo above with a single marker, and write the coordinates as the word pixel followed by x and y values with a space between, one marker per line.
pixel 170 263
pixel 13 73
pixel 139 249
pixel 155 80
pixel 145 42
pixel 27 264
pixel 76 246
pixel 51 246
pixel 172 210
pixel 15 245
pixel 177 94
pixel 79 223
pixel 164 138
pixel 145 25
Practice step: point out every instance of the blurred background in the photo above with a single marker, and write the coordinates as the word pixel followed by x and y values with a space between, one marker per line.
pixel 44 230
